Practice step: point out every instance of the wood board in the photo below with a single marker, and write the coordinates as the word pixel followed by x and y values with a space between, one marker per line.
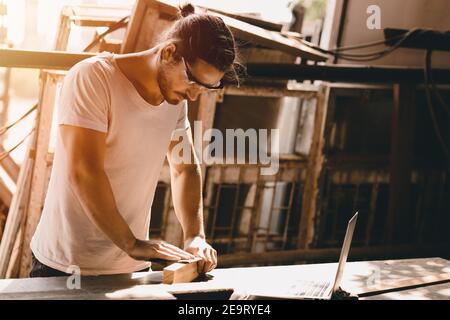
pixel 181 271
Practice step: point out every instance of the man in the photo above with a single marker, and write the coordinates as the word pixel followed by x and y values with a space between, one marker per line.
pixel 116 117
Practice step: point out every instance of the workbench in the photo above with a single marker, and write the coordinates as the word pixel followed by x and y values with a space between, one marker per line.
pixel 241 282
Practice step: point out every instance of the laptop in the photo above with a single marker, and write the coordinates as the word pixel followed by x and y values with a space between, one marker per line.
pixel 322 290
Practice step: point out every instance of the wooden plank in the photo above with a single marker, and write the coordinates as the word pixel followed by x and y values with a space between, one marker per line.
pixel 14 261
pixel 97 16
pixel 271 39
pixel 155 23
pixel 400 221
pixel 134 26
pixel 15 214
pixel 181 271
pixel 39 169
pixel 301 91
pixel 55 60
pixel 5 194
pixel 85 21
pixel 147 15
pixel 315 163
pixel 62 37
pixel 4 98
pixel 9 165
pixel 254 20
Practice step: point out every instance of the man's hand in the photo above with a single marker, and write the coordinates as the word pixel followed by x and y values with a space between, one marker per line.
pixel 157 249
pixel 200 248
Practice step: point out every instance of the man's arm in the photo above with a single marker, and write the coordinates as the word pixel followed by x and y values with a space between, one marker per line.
pixel 85 150
pixel 186 185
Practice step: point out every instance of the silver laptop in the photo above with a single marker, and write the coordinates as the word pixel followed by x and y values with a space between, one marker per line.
pixel 324 290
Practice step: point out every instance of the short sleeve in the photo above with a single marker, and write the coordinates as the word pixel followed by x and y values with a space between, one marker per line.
pixel 84 98
pixel 182 123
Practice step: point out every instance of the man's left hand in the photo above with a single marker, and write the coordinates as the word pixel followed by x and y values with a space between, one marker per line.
pixel 200 248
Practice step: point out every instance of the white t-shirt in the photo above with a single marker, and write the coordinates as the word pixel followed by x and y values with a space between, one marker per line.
pixel 96 94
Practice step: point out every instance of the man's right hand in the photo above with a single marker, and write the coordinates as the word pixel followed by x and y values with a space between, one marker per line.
pixel 157 249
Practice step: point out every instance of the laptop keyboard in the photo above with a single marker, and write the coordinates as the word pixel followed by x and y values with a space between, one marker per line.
pixel 309 288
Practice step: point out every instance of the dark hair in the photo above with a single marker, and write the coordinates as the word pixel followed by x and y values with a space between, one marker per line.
pixel 205 36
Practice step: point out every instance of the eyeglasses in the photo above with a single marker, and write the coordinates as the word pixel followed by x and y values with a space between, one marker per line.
pixel 219 85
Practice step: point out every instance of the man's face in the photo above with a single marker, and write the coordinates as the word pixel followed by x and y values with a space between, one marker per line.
pixel 179 79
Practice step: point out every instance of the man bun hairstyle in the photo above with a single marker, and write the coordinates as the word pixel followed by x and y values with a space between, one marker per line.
pixel 186 10
pixel 207 37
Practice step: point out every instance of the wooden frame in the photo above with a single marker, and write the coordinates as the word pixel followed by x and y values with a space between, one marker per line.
pixel 71 15
pixel 403 116
pixel 39 175
pixel 162 13
pixel 315 162
pixel 11 239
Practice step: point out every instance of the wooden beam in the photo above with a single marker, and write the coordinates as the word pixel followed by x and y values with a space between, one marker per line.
pixel 265 24
pixel 181 271
pixel 64 24
pixel 95 16
pixel 271 39
pixel 315 163
pixel 15 214
pixel 5 194
pixel 39 170
pixel 5 99
pixel 300 91
pixel 9 165
pixel 56 60
pixel 14 260
pixel 134 26
pixel 86 21
pixel 400 220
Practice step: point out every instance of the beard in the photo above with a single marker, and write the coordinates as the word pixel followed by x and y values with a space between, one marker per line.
pixel 164 86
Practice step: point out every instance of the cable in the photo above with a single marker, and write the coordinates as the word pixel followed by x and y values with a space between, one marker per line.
pixel 364 45
pixel 376 55
pixel 4 129
pixel 119 24
pixel 5 154
pixel 370 56
pixel 430 106
pixel 367 45
pixel 402 38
